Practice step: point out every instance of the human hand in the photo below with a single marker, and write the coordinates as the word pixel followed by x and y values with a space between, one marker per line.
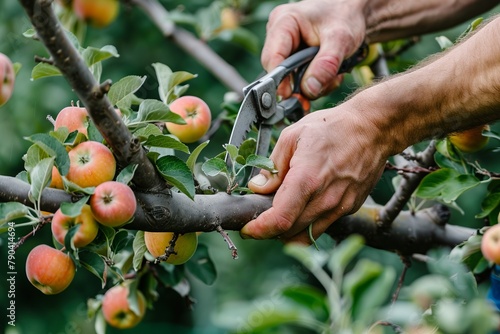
pixel 328 162
pixel 337 26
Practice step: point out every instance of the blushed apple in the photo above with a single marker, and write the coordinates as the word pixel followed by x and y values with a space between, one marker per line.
pixel 91 163
pixel 86 232
pixel 490 244
pixel 117 310
pixel 99 13
pixel 49 270
pixel 113 203
pixel 7 78
pixel 197 115
pixel 185 245
pixel 471 140
pixel 73 118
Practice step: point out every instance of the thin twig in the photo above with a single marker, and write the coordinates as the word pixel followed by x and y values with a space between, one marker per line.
pixel 230 243
pixel 407 263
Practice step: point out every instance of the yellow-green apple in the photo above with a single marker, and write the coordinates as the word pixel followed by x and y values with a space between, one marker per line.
pixel 185 245
pixel 7 78
pixel 73 118
pixel 229 19
pixel 56 181
pixel 99 13
pixel 490 244
pixel 91 163
pixel 113 203
pixel 87 230
pixel 117 310
pixel 49 269
pixel 471 140
pixel 197 115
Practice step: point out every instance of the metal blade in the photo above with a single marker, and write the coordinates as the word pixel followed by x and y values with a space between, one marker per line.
pixel 247 116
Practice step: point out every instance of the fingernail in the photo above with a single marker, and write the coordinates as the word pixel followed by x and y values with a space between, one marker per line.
pixel 313 86
pixel 259 180
pixel 244 236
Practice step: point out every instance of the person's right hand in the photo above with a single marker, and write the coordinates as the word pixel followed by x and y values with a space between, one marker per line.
pixel 337 26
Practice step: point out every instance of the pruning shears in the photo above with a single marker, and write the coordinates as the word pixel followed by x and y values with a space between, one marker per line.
pixel 260 106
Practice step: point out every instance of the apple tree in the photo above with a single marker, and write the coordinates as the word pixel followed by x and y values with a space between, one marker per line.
pixel 129 174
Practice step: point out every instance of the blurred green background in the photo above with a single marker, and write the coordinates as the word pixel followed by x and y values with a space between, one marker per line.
pixel 261 268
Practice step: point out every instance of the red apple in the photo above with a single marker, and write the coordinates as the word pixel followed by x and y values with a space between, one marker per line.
pixel 185 245
pixel 116 307
pixel 86 232
pixel 91 163
pixel 197 115
pixel 49 270
pixel 490 244
pixel 113 203
pixel 73 118
pixel 7 79
pixel 100 13
pixel 471 140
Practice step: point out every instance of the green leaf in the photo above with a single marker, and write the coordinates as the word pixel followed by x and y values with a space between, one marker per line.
pixel 261 162
pixel 191 161
pixel 166 141
pixel 54 148
pixel 40 177
pixel 10 211
pixel 121 240
pixel 94 264
pixel 94 133
pixel 93 55
pixel 444 42
pixel 127 174
pixel 446 185
pixel 139 247
pixel 310 297
pixel 69 242
pixel 153 111
pixel 345 252
pixel 490 202
pixel 214 167
pixel 242 37
pixel 232 151
pixel 124 88
pixel 168 80
pixel 74 209
pixel 144 132
pixel 177 173
pixel 247 148
pixel 202 266
pixel 33 156
pixel 44 70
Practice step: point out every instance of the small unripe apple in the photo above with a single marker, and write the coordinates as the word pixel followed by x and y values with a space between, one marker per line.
pixel 113 203
pixel 91 163
pixel 471 140
pixel 49 270
pixel 73 118
pixel 116 307
pixel 86 232
pixel 197 115
pixel 99 13
pixel 7 78
pixel 490 244
pixel 229 19
pixel 185 245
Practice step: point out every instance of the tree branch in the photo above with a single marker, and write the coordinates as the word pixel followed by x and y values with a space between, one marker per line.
pixel 192 46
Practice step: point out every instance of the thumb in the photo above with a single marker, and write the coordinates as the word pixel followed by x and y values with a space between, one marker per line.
pixel 264 183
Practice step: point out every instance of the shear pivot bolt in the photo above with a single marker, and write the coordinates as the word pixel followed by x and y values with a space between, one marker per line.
pixel 266 100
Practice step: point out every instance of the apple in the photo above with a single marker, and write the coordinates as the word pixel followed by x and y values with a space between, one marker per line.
pixel 7 78
pixel 117 310
pixel 471 140
pixel 56 181
pixel 490 244
pixel 86 232
pixel 197 115
pixel 49 270
pixel 73 118
pixel 229 19
pixel 91 163
pixel 185 245
pixel 99 13
pixel 113 203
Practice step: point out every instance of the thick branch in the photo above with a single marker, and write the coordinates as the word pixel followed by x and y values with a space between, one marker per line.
pixel 66 58
pixel 193 46
pixel 409 233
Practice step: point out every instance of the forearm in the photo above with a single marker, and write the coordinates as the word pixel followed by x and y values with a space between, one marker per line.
pixel 451 92
pixel 392 19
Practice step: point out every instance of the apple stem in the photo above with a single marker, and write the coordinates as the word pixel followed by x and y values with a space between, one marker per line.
pixel 51 120
pixel 227 239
